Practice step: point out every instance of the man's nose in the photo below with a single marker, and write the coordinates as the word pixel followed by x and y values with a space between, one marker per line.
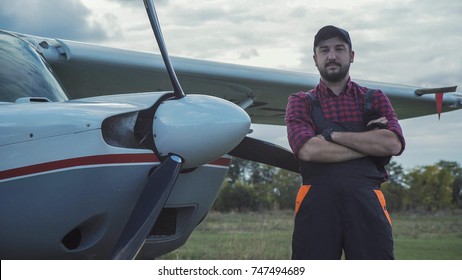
pixel 331 55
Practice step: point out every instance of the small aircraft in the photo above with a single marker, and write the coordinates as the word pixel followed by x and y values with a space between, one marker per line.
pixel 100 160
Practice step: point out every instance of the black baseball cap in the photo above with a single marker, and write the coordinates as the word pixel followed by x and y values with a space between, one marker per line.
pixel 330 31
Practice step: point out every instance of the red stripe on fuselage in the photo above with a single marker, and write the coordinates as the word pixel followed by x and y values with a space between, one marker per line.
pixel 90 160
pixel 221 161
pixel 81 161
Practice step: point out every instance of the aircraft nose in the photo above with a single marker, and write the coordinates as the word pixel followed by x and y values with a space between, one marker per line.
pixel 199 128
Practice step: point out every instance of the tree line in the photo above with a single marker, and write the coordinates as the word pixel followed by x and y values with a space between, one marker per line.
pixel 252 186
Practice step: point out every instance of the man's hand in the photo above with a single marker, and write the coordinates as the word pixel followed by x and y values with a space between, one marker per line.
pixel 375 142
pixel 379 123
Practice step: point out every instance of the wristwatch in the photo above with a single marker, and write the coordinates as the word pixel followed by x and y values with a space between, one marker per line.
pixel 327 134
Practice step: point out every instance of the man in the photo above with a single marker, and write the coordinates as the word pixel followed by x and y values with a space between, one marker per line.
pixel 343 134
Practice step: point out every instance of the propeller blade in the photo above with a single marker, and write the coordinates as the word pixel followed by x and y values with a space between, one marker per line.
pixel 151 10
pixel 267 153
pixel 147 208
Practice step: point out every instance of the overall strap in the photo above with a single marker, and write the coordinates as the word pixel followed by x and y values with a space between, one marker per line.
pixel 368 99
pixel 314 101
pixel 316 113
pixel 369 113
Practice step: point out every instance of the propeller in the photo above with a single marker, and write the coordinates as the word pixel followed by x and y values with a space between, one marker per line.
pixel 160 183
pixel 151 10
pixel 147 208
pixel 267 153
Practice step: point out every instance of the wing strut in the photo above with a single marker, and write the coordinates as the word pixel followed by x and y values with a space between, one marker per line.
pixel 267 153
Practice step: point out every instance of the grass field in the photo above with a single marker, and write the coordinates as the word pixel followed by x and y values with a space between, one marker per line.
pixel 265 236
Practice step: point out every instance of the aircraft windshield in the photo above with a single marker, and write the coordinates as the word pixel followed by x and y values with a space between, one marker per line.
pixel 23 72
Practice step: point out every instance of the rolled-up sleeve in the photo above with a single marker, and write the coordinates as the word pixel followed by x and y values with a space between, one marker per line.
pixel 300 125
pixel 383 105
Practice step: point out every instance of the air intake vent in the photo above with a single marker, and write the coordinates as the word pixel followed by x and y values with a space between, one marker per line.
pixel 72 240
pixel 166 223
pixel 32 100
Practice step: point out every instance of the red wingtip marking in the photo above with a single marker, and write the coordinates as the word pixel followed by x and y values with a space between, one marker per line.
pixel 439 103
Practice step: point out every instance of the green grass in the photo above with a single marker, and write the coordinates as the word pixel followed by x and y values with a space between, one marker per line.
pixel 428 236
pixel 265 236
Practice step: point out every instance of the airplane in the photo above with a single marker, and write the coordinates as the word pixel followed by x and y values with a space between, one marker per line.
pixel 101 160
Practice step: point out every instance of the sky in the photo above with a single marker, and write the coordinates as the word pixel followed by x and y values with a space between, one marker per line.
pixel 409 42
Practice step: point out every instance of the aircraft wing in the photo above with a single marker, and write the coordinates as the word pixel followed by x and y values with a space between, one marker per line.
pixel 90 70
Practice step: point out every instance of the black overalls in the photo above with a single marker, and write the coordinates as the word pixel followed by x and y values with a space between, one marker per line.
pixel 340 205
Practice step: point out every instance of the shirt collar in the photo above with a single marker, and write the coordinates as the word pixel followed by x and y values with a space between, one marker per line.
pixel 324 90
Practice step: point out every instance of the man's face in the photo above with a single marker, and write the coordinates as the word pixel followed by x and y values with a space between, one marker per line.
pixel 333 57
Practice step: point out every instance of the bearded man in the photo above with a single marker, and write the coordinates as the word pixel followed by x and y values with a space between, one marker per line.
pixel 343 134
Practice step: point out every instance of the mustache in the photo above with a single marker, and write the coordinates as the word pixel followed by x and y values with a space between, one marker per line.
pixel 333 63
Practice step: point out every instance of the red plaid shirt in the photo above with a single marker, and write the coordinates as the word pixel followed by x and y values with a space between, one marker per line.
pixel 348 106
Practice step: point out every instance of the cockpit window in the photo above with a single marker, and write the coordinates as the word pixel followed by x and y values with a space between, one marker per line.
pixel 23 72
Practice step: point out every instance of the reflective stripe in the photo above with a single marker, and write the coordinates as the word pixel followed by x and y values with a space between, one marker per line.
pixel 302 192
pixel 383 203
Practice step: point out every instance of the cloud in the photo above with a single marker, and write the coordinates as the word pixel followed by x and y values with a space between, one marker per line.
pixel 249 54
pixel 52 18
pixel 430 140
pixel 407 42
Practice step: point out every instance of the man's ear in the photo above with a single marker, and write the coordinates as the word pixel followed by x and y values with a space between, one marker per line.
pixel 315 62
pixel 352 56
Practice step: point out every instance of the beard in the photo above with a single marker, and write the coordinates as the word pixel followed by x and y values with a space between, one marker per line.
pixel 334 77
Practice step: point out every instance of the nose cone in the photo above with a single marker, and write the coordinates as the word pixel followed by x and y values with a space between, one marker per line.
pixel 199 128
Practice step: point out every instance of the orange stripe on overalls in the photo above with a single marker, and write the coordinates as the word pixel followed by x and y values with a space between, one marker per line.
pixel 302 192
pixel 383 204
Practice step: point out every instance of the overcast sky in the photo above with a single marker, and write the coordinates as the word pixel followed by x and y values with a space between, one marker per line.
pixel 397 41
